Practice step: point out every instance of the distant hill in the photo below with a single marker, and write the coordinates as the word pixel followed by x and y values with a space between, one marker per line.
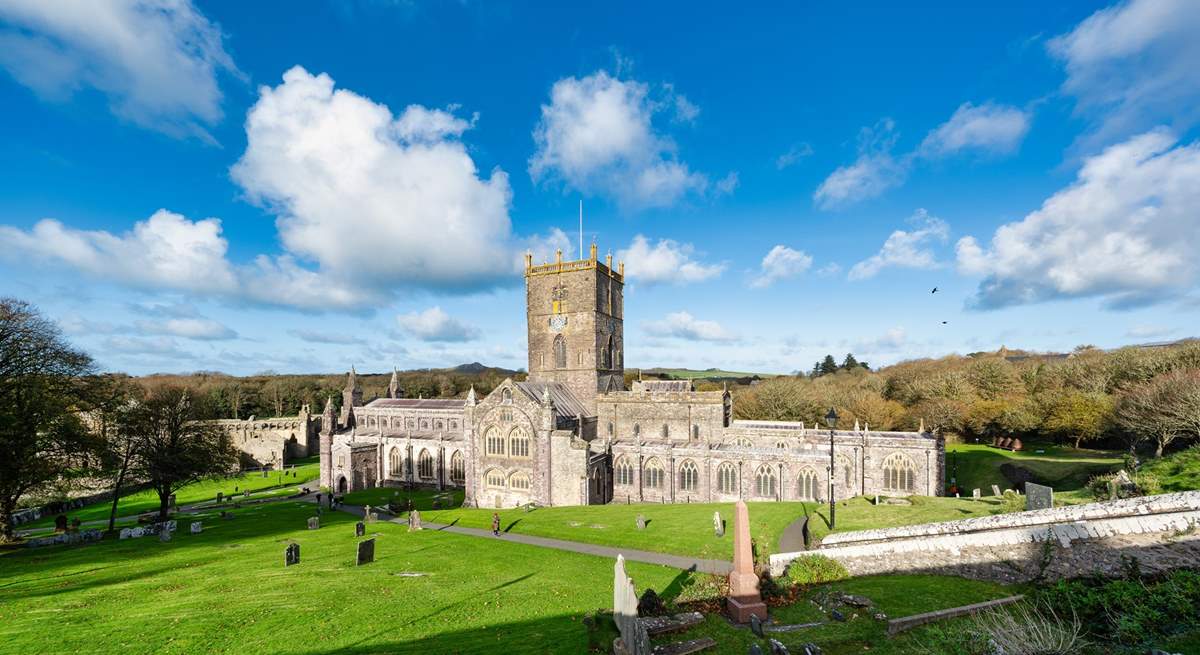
pixel 706 374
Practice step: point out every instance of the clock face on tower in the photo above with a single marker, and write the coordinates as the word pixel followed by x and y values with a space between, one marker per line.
pixel 558 322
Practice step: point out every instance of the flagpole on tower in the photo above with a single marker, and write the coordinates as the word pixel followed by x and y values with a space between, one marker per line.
pixel 581 228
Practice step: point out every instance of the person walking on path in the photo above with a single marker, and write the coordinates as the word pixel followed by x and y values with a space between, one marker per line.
pixel 495 524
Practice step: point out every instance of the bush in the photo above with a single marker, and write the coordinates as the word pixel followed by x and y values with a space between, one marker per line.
pixel 1129 613
pixel 1013 501
pixel 1025 629
pixel 1144 484
pixel 815 569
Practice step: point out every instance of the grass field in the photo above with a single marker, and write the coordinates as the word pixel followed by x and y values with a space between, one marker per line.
pixel 147 500
pixel 1178 471
pixel 422 498
pixel 1065 469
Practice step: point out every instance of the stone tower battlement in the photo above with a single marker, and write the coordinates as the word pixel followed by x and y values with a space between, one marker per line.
pixel 575 316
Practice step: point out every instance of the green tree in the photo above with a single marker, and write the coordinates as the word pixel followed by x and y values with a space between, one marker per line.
pixel 42 439
pixel 849 363
pixel 828 365
pixel 1152 411
pixel 1079 415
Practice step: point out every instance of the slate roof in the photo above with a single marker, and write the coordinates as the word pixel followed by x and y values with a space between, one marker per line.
pixel 564 401
pixel 417 403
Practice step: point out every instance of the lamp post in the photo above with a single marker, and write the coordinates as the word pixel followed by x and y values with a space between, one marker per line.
pixel 831 418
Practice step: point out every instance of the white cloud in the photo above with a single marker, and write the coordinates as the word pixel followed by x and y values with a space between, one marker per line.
pixel 793 155
pixel 906 249
pixel 421 124
pixel 433 324
pixel 726 185
pixel 666 262
pixel 1125 231
pixel 156 60
pixel 832 268
pixel 1133 66
pixel 890 341
pixel 874 172
pixel 989 127
pixel 166 251
pixel 162 346
pixel 317 336
pixel 682 325
pixel 780 263
pixel 203 329
pixel 685 110
pixel 1149 332
pixel 597 136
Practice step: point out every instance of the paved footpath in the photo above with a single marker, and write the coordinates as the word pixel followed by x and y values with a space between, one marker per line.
pixel 715 567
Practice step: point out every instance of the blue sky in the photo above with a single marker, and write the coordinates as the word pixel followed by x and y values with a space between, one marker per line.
pixel 248 187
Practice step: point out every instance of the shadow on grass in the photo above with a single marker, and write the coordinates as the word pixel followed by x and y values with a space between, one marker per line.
pixel 510 525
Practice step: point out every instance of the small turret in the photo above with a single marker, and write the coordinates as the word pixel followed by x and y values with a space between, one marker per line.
pixel 351 398
pixel 394 390
pixel 471 396
pixel 328 418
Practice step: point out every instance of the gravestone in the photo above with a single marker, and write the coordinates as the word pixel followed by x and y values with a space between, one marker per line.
pixel 995 490
pixel 164 536
pixel 359 529
pixel 744 599
pixel 366 552
pixel 291 554
pixel 975 494
pixel 246 494
pixel 367 514
pixel 220 496
pixel 756 626
pixel 60 523
pixel 197 527
pixel 314 523
pixel 1038 496
pixel 633 638
pixel 718 525
pixel 414 520
pixel 876 499
pixel 641 522
pixel 755 649
pixel 777 647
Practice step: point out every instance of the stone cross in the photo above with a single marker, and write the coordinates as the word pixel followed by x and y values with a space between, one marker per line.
pixel 641 522
pixel 718 525
pixel 366 552
pixel 975 494
pixel 995 490
pixel 359 529
pixel 744 599
pixel 633 640
pixel 291 555
pixel 197 527
pixel 314 523
pixel 367 513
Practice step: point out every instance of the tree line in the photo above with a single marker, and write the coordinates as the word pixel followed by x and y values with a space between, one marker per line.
pixel 1127 397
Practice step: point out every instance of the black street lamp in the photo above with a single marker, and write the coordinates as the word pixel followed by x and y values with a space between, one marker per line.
pixel 831 418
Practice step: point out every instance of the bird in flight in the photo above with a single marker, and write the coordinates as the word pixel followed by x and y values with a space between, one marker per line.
pixel 945 322
pixel 934 290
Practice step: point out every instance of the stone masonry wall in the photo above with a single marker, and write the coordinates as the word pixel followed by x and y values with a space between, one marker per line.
pixel 1161 532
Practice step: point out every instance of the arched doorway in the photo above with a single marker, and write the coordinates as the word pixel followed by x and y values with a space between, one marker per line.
pixel 341 485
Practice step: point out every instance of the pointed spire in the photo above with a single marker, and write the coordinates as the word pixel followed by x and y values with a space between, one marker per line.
pixel 856 428
pixel 394 390
pixel 866 427
pixel 922 428
pixel 471 396
pixel 546 395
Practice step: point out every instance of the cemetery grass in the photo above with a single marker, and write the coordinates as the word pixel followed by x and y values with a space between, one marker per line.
pixel 146 500
pixel 226 590
pixel 422 498
pixel 1178 471
pixel 1064 468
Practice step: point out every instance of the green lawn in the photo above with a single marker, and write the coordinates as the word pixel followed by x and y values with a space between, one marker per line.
pixel 1178 471
pixel 227 591
pixel 422 498
pixel 147 500
pixel 1065 469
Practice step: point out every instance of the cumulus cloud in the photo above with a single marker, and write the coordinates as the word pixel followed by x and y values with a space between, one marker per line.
pixel 156 61
pixel 874 172
pixel 597 136
pixel 166 251
pixel 202 329
pixel 682 325
pixel 906 248
pixel 781 263
pixel 1133 66
pixel 1124 231
pixel 991 128
pixel 433 324
pixel 666 262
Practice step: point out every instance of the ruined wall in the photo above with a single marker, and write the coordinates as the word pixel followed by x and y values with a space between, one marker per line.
pixel 1161 532
pixel 273 441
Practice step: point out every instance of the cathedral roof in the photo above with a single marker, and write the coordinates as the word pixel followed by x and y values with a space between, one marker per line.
pixel 417 403
pixel 564 401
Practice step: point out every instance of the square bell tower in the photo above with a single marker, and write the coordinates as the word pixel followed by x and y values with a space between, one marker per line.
pixel 575 315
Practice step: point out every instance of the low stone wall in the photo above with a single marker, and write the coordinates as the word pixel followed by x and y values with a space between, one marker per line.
pixel 1160 532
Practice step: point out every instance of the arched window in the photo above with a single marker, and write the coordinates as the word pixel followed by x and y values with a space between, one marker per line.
pixel 806 484
pixel 652 475
pixel 613 357
pixel 743 442
pixel 453 424
pixel 847 471
pixel 898 473
pixel 493 442
pixel 371 422
pixel 412 424
pixel 439 425
pixel 688 476
pixel 506 396
pixel 765 481
pixel 518 443
pixel 623 471
pixel 637 430
pixel 696 432
pixel 560 352
pixel 610 428
pixel 425 465
pixel 606 354
pixel 424 424
pixel 506 415
pixel 666 432
pixel 494 478
pixel 518 480
pixel 458 469
pixel 727 478
pixel 396 462
pixel 781 445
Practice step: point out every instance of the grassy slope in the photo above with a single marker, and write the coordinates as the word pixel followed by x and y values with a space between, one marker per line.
pixel 1065 469
pixel 422 498
pixel 226 590
pixel 1178 471
pixel 147 500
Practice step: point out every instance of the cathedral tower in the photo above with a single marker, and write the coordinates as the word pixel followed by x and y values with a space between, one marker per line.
pixel 351 398
pixel 574 312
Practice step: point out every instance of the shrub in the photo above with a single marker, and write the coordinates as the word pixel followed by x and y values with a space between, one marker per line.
pixel 1129 613
pixel 1025 629
pixel 1013 501
pixel 815 569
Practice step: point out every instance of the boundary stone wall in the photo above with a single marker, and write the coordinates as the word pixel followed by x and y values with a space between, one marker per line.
pixel 1161 532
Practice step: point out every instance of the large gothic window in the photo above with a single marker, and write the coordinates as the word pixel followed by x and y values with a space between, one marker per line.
pixel 518 480
pixel 396 462
pixel 458 469
pixel 727 478
pixel 688 476
pixel 898 473
pixel 652 476
pixel 425 465
pixel 560 352
pixel 518 443
pixel 806 484
pixel 493 442
pixel 494 479
pixel 623 471
pixel 765 481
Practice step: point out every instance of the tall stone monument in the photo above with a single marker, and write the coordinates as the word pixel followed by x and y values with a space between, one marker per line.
pixel 744 599
pixel 634 639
